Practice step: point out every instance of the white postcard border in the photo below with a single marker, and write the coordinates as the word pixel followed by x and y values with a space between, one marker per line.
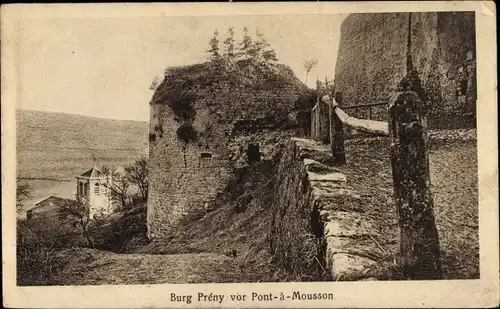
pixel 450 293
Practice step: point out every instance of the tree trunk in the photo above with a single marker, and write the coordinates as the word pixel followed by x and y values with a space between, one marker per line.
pixel 337 134
pixel 86 234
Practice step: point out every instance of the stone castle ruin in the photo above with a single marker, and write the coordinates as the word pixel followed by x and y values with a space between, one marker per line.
pixel 372 60
pixel 205 123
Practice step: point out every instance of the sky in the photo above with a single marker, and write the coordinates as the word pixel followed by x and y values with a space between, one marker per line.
pixel 102 67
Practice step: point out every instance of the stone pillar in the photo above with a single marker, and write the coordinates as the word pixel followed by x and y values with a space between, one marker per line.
pixel 420 255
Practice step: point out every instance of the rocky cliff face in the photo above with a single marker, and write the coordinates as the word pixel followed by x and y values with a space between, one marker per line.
pixel 372 60
pixel 204 124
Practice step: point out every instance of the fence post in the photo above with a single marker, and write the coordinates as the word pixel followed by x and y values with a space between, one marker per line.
pixel 313 122
pixel 337 134
pixel 315 114
pixel 318 123
pixel 420 255
pixel 324 123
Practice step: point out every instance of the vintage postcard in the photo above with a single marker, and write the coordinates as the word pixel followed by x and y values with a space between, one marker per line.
pixel 254 155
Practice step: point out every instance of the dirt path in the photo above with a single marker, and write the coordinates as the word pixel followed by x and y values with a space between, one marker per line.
pixel 93 267
pixel 453 170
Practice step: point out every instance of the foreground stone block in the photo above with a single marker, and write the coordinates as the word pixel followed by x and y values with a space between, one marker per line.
pixel 347 267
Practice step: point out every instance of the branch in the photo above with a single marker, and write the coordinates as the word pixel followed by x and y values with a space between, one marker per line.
pixel 363 125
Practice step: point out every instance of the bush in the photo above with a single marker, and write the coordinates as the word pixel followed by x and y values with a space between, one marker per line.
pixel 183 110
pixel 187 133
pixel 35 254
pixel 116 234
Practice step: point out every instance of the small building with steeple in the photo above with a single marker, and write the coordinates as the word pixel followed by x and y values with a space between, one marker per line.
pixel 92 187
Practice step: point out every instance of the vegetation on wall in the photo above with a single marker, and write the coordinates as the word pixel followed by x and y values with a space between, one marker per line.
pixel 181 99
pixel 248 65
pixel 186 133
pixel 251 62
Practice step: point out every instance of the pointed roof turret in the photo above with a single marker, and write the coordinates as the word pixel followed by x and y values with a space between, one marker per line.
pixel 94 172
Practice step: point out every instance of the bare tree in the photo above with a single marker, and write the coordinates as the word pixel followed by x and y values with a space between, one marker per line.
pixel 79 213
pixel 137 174
pixel 308 66
pixel 117 184
pixel 155 83
pixel 23 191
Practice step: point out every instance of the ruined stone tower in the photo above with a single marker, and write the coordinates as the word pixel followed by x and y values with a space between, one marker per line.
pixel 372 60
pixel 205 123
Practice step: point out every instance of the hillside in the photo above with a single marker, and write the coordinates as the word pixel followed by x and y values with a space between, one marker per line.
pixel 56 145
pixel 38 129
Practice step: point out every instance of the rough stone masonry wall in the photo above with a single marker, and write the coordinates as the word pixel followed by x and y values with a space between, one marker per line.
pixel 318 224
pixel 372 59
pixel 185 178
pixel 181 180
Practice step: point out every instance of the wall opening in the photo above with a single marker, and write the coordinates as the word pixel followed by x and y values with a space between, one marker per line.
pixel 206 155
pixel 463 87
pixel 152 137
pixel 253 153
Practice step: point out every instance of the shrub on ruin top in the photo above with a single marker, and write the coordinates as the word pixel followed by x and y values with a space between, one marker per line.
pixel 187 133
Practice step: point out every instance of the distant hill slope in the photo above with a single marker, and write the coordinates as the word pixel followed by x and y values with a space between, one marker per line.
pixel 36 129
pixel 57 145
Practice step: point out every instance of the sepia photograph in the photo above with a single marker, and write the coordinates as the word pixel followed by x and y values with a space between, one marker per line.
pixel 247 148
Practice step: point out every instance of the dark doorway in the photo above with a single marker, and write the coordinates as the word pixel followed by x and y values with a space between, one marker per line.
pixel 463 87
pixel 253 153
